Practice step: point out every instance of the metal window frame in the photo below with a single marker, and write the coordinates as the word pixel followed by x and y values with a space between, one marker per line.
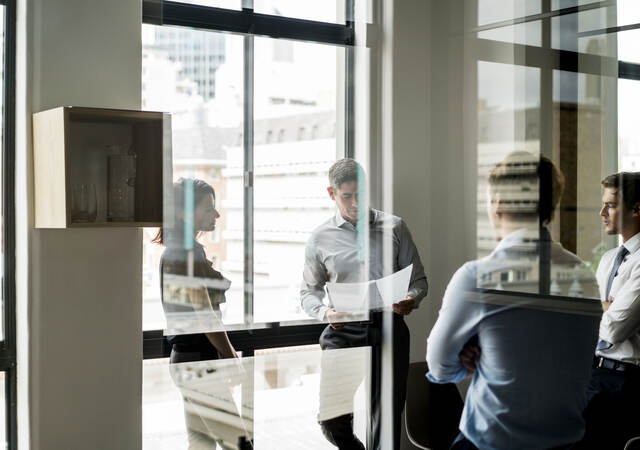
pixel 8 345
pixel 250 24
pixel 547 60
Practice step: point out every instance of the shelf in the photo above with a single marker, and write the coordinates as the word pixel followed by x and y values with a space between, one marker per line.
pixel 72 146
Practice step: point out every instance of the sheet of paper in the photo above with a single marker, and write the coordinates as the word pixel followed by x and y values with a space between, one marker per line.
pixel 394 287
pixel 377 294
pixel 348 297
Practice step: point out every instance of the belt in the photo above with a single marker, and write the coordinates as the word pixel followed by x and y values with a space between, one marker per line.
pixel 600 362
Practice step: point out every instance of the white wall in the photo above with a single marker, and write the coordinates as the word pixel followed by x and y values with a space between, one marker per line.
pixel 81 288
pixel 430 149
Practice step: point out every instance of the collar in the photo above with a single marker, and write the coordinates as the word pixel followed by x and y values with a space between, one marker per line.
pixel 633 244
pixel 373 214
pixel 523 237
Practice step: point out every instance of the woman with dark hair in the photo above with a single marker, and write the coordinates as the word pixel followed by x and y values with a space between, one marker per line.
pixel 192 291
pixel 191 287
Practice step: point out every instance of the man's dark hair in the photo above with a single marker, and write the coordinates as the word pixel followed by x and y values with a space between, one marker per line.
pixel 343 171
pixel 524 168
pixel 627 184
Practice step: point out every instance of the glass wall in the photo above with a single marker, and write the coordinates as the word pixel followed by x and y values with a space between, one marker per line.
pixel 551 87
pixel 256 123
pixel 274 294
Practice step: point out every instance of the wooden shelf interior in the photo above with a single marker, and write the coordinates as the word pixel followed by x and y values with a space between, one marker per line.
pixel 91 135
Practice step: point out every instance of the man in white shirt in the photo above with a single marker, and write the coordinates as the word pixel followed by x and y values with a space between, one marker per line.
pixel 612 416
pixel 350 248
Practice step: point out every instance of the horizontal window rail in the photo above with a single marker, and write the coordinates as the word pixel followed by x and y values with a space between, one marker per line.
pixel 544 15
pixel 246 22
pixel 155 344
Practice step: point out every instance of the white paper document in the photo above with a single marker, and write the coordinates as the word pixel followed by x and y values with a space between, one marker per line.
pixel 374 294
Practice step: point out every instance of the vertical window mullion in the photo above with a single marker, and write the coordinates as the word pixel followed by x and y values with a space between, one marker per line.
pixel 248 179
pixel 349 105
pixel 8 215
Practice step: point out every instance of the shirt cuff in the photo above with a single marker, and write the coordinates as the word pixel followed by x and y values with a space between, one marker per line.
pixel 321 312
pixel 459 376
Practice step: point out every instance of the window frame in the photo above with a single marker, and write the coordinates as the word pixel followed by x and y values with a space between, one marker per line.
pixel 547 60
pixel 250 24
pixel 8 345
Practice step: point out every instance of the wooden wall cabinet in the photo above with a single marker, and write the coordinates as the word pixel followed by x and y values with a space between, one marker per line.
pixel 71 146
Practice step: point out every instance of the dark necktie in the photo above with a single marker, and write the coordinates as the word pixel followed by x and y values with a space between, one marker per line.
pixel 622 252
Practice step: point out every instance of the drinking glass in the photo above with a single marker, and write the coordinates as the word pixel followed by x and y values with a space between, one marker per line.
pixel 83 203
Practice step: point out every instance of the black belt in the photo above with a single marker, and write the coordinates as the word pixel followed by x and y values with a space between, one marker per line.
pixel 600 362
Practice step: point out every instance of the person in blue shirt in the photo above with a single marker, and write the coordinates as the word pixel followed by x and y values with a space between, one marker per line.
pixel 517 321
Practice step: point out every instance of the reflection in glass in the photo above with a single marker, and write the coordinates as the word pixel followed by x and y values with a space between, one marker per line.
pixel 561 4
pixel 192 290
pixel 198 404
pixel 566 29
pixel 295 142
pixel 346 257
pixel 529 33
pixel 503 323
pixel 197 77
pixel 508 120
pixel 226 4
pixel 274 397
pixel 319 10
pixel 490 11
pixel 580 127
pixel 524 190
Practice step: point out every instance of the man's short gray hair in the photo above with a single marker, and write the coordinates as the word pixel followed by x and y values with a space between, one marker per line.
pixel 343 171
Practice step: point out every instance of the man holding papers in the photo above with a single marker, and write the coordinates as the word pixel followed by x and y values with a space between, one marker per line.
pixel 350 248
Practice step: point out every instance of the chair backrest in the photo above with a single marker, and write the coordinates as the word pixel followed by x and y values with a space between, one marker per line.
pixel 432 411
pixel 633 444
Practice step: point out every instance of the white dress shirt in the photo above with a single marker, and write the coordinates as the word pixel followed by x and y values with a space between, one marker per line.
pixel 620 324
pixel 334 254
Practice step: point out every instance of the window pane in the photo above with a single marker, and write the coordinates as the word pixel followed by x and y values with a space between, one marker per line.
pixel 628 135
pixel 628 46
pixel 578 133
pixel 628 13
pixel 319 10
pixel 274 398
pixel 565 32
pixel 3 411
pixel 227 4
pixel 2 46
pixel 490 11
pixel 295 144
pixel 197 77
pixel 561 4
pixel 524 33
pixel 508 119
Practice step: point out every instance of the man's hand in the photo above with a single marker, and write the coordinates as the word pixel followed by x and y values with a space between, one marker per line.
pixel 404 307
pixel 336 319
pixel 470 355
pixel 606 304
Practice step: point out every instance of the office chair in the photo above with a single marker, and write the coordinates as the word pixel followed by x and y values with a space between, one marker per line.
pixel 432 411
pixel 633 444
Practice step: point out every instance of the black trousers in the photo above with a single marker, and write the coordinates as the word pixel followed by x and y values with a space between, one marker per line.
pixel 339 430
pixel 611 417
